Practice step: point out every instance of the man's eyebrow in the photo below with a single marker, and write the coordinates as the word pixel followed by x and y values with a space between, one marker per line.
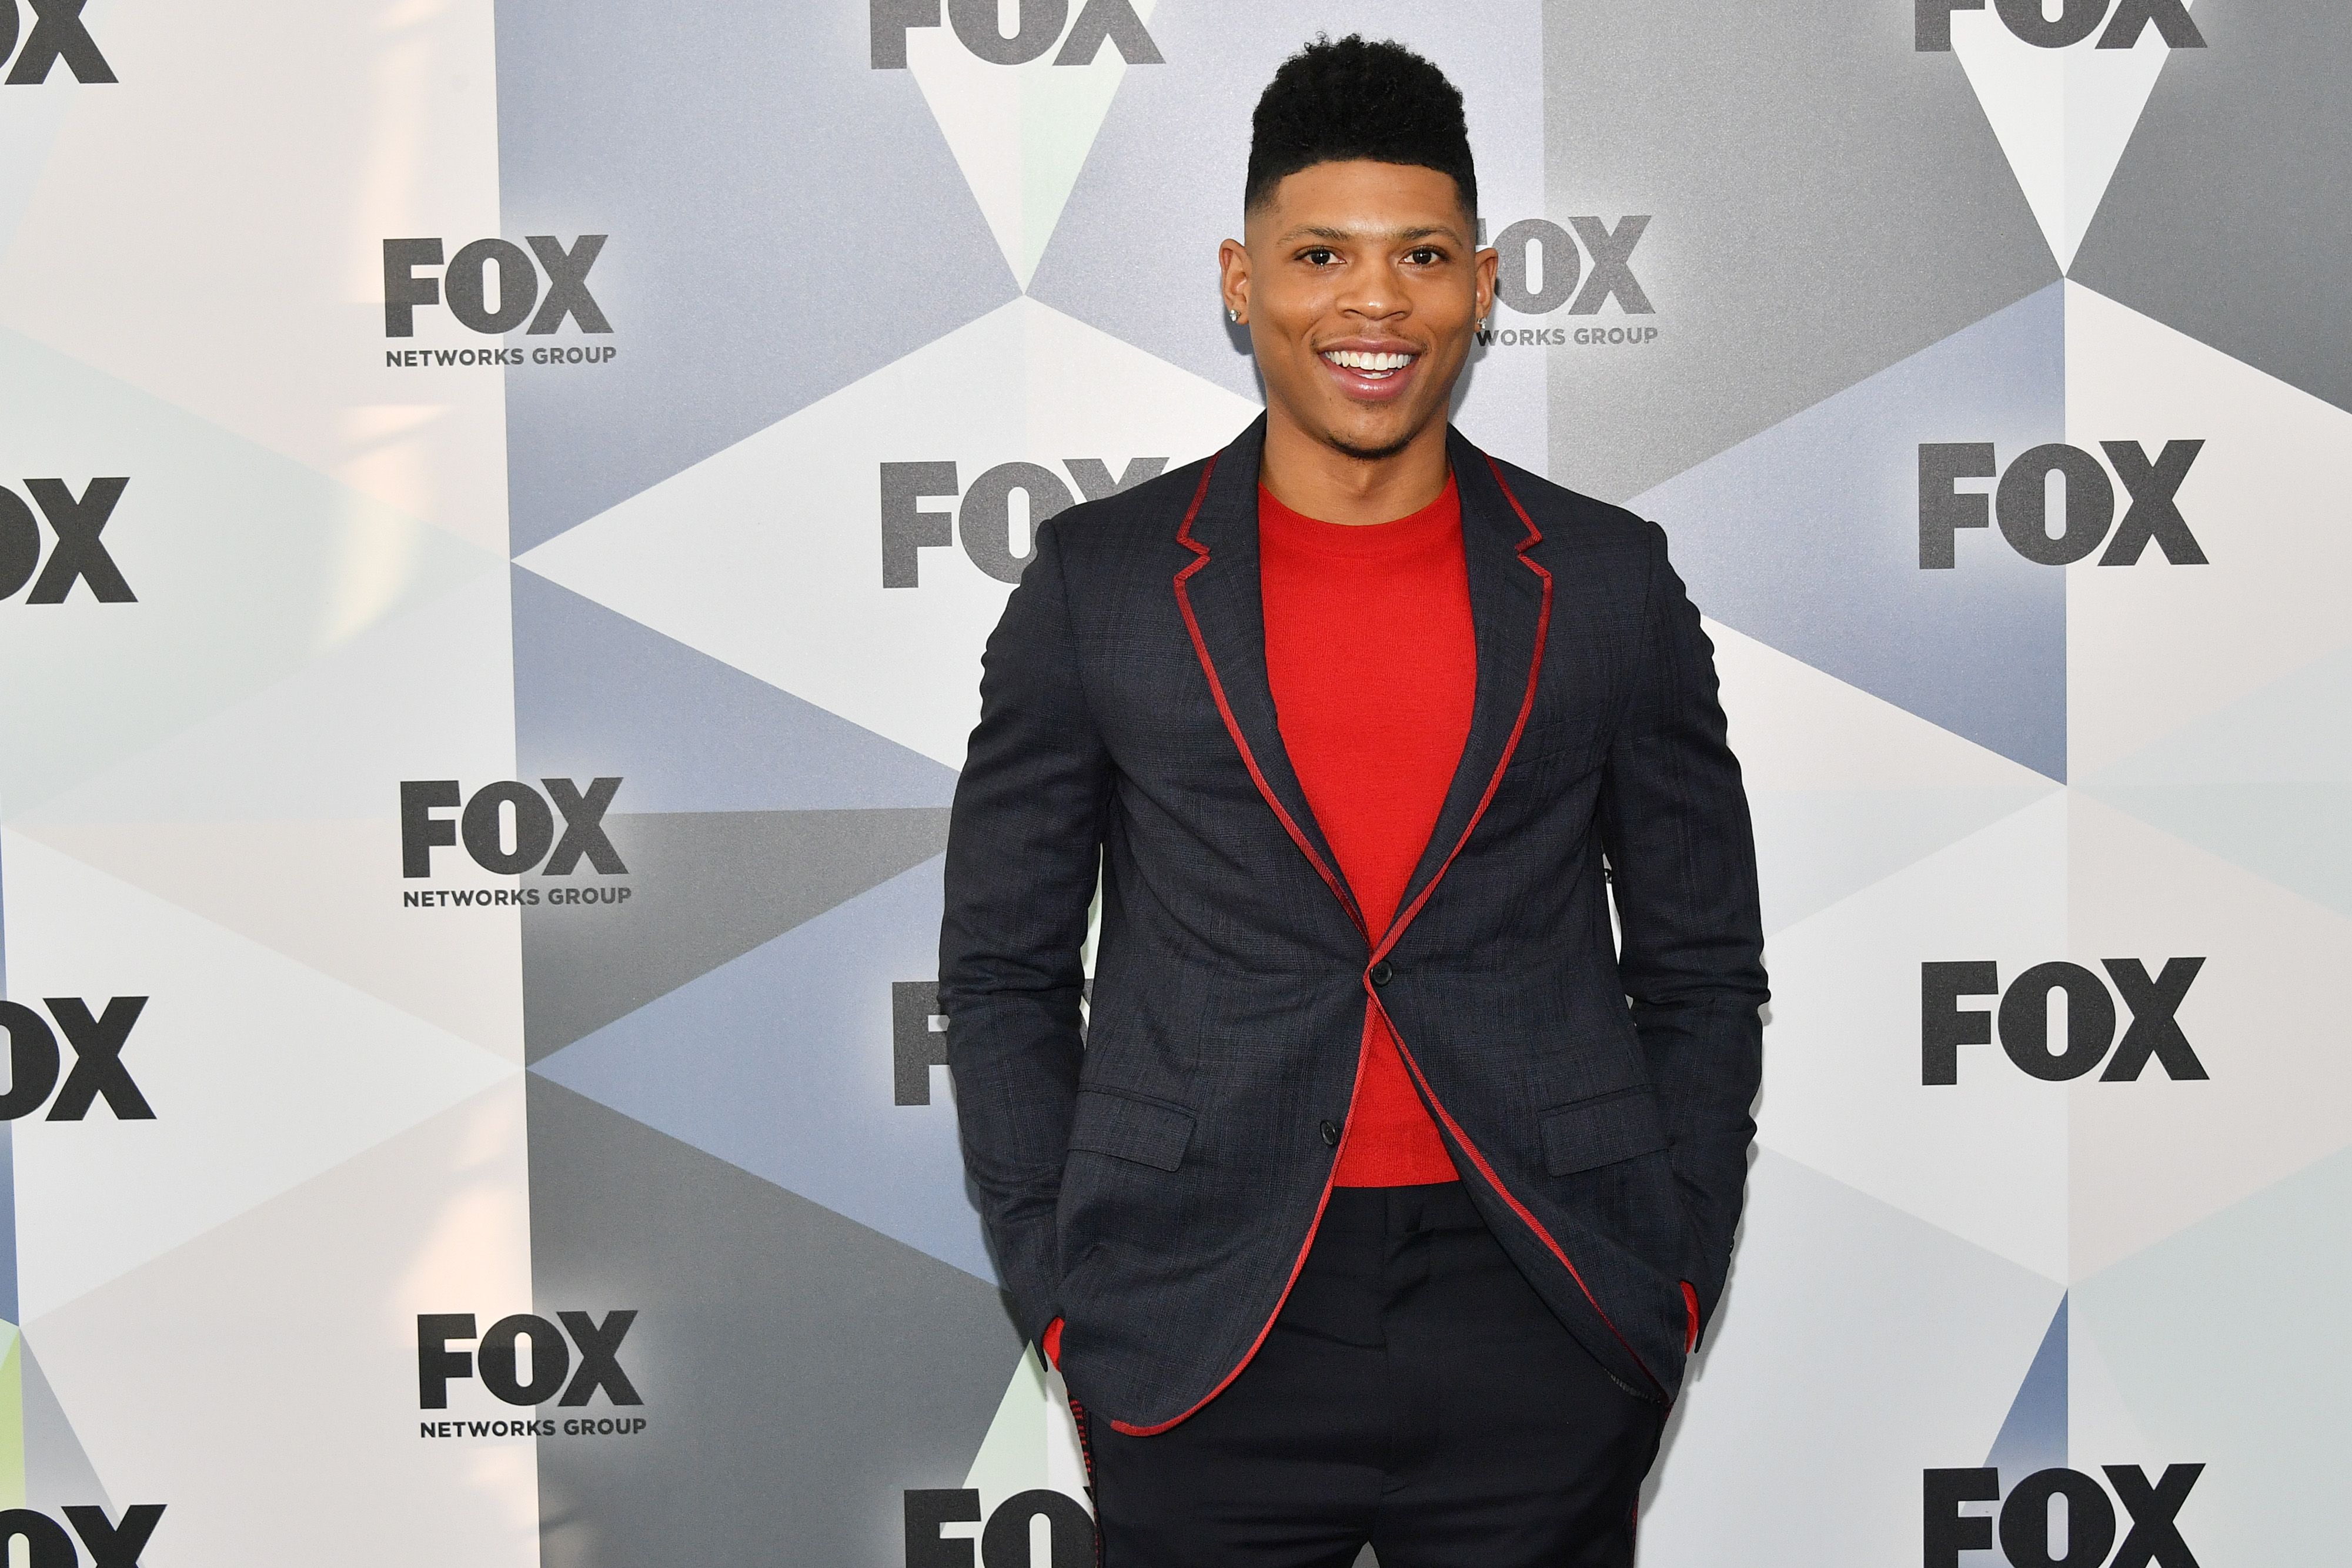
pixel 1420 231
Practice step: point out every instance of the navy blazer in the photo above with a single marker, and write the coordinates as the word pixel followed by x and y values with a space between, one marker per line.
pixel 1157 1182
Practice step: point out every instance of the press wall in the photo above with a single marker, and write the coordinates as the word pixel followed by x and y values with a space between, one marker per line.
pixel 499 508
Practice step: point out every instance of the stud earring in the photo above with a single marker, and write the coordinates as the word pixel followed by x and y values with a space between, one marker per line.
pixel 1233 315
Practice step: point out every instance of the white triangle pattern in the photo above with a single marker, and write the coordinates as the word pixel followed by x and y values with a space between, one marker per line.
pixel 2175 643
pixel 276 183
pixel 2062 116
pixel 291 1332
pixel 261 1072
pixel 1843 1090
pixel 769 555
pixel 2152 1157
pixel 1020 133
pixel 1033 1443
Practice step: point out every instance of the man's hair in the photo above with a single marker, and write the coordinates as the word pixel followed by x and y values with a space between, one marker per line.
pixel 1358 99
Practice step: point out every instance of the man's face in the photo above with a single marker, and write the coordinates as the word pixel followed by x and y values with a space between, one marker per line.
pixel 1360 283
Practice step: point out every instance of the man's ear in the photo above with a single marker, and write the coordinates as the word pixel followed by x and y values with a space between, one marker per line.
pixel 1233 278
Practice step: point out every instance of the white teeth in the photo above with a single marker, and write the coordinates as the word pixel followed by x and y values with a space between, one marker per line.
pixel 1355 360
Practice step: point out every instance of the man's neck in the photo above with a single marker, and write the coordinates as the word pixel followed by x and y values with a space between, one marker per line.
pixel 1313 478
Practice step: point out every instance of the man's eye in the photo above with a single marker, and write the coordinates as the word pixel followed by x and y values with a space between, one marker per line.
pixel 1319 256
pixel 1427 256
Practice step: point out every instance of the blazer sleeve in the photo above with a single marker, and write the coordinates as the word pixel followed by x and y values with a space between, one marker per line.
pixel 1024 845
pixel 1673 821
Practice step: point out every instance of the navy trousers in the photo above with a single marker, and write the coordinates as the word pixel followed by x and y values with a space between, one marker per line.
pixel 1414 1393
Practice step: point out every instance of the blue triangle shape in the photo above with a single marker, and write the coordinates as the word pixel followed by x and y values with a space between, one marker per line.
pixel 780 1062
pixel 2033 1438
pixel 1806 537
pixel 596 693
pixel 709 141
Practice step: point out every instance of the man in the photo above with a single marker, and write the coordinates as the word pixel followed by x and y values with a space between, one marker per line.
pixel 1370 1210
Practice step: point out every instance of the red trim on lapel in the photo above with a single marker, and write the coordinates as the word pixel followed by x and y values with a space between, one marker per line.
pixel 1397 928
pixel 1518 726
pixel 1516 1207
pixel 1363 1048
pixel 1363 1040
pixel 1086 1457
pixel 1224 709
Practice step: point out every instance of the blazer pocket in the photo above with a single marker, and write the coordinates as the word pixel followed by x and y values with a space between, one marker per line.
pixel 1149 1132
pixel 1601 1131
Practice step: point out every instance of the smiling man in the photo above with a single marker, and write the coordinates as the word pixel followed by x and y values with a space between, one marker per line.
pixel 1384 1191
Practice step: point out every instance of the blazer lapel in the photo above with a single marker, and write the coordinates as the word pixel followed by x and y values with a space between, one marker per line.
pixel 1510 613
pixel 1220 597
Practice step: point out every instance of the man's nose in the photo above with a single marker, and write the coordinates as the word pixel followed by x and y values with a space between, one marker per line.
pixel 1373 293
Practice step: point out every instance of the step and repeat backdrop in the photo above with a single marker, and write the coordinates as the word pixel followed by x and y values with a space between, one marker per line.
pixel 499 508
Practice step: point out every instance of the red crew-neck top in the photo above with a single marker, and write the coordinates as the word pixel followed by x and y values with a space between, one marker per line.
pixel 1371 657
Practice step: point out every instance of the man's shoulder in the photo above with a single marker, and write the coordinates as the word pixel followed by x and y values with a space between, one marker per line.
pixel 1571 521
pixel 1121 526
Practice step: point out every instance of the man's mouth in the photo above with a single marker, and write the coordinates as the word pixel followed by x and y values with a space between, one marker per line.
pixel 1372 376
pixel 1371 367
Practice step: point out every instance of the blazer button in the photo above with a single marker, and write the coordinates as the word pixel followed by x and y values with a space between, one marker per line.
pixel 1330 1130
pixel 1381 973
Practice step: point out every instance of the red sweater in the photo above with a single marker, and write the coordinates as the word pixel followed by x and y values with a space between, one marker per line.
pixel 1370 654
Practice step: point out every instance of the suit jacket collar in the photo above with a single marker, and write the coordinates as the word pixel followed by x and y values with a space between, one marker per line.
pixel 1510 599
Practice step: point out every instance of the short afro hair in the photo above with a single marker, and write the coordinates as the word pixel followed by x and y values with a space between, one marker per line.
pixel 1358 99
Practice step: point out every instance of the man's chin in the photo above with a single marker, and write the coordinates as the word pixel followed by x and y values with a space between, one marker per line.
pixel 1380 441
pixel 1366 454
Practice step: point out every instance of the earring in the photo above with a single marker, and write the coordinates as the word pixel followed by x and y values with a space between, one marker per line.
pixel 1233 315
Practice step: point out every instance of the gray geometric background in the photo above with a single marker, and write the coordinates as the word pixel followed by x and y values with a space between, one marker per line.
pixel 696 1103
